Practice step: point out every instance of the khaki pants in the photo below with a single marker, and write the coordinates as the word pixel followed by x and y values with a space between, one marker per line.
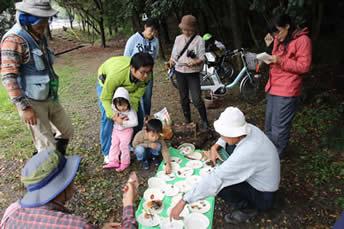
pixel 51 118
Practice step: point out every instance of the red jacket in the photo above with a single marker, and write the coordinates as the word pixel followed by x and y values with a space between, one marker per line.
pixel 285 78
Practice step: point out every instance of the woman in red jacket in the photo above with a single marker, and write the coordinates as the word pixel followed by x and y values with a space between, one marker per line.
pixel 292 56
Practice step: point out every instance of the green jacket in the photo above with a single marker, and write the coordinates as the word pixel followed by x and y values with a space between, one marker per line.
pixel 117 72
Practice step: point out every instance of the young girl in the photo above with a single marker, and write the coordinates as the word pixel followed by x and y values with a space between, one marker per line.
pixel 124 119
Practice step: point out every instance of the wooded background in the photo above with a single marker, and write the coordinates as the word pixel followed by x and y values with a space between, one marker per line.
pixel 237 23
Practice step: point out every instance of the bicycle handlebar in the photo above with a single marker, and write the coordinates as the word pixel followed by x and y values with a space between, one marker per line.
pixel 235 51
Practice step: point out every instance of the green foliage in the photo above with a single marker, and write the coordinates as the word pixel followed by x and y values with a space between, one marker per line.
pixel 340 202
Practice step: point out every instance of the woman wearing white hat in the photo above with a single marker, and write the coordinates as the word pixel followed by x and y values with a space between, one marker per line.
pixel 249 177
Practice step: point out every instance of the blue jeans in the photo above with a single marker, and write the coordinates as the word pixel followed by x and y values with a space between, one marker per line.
pixel 146 102
pixel 279 114
pixel 106 126
pixel 143 154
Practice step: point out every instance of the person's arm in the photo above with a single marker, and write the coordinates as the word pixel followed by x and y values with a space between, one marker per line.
pixel 129 46
pixel 139 140
pixel 132 120
pixel 128 218
pixel 129 196
pixel 302 62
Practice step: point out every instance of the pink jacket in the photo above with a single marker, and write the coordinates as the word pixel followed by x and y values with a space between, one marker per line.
pixel 285 78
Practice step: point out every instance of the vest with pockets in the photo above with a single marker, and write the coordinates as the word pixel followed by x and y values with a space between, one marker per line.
pixel 35 75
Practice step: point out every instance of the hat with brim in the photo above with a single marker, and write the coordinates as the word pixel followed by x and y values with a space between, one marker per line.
pixel 46 175
pixel 188 22
pixel 232 123
pixel 39 8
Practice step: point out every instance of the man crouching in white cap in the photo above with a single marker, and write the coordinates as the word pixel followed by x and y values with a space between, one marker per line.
pixel 248 178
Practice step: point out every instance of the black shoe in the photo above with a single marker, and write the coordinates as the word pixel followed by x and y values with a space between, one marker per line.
pixel 238 205
pixel 145 165
pixel 61 145
pixel 242 216
pixel 156 160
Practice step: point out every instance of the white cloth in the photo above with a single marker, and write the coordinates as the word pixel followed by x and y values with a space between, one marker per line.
pixel 254 159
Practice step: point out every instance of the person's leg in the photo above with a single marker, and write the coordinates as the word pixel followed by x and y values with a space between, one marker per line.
pixel 195 89
pixel 41 133
pixel 141 155
pixel 183 89
pixel 114 152
pixel 156 155
pixel 147 97
pixel 268 115
pixel 106 126
pixel 284 109
pixel 125 139
pixel 62 123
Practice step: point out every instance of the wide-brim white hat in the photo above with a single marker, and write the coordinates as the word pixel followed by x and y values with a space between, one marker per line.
pixel 232 123
pixel 39 8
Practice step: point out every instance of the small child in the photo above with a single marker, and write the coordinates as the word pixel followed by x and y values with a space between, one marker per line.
pixel 124 119
pixel 149 144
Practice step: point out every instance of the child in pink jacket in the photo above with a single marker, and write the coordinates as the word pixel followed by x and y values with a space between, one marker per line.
pixel 125 118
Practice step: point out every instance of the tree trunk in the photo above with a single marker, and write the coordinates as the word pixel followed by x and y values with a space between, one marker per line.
pixel 317 11
pixel 102 32
pixel 161 49
pixel 135 19
pixel 236 33
pixel 253 35
pixel 164 31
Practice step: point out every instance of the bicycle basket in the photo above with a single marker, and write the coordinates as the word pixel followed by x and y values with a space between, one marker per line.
pixel 251 60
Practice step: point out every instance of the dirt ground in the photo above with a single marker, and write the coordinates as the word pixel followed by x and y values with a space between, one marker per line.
pixel 300 204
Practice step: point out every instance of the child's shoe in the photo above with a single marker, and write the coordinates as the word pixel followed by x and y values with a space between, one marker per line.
pixel 145 165
pixel 106 159
pixel 156 160
pixel 122 167
pixel 111 165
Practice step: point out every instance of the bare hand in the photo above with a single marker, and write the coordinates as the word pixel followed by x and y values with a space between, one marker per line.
pixel 130 190
pixel 118 119
pixel 275 59
pixel 153 145
pixel 175 212
pixel 112 226
pixel 29 116
pixel 213 154
pixel 168 168
pixel 268 39
pixel 192 63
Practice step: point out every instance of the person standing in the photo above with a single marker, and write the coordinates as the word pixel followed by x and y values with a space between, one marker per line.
pixel 29 77
pixel 291 59
pixel 147 42
pixel 121 71
pixel 188 57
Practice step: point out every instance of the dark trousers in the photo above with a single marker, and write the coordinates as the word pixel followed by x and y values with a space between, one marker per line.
pixel 245 192
pixel 191 82
pixel 279 114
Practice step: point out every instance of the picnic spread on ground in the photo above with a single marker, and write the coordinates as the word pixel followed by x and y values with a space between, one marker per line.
pixel 165 190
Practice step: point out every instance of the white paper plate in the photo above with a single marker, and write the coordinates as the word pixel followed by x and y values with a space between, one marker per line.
pixel 196 221
pixel 201 206
pixel 166 177
pixel 150 222
pixel 186 148
pixel 156 182
pixel 170 190
pixel 194 164
pixel 194 156
pixel 175 166
pixel 177 160
pixel 165 223
pixel 152 210
pixel 183 186
pixel 176 199
pixel 184 172
pixel 153 194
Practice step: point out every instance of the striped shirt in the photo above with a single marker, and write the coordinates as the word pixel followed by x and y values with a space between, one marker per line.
pixel 49 217
pixel 14 52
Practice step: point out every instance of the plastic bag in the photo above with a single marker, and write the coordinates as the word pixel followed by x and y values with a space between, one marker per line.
pixel 165 118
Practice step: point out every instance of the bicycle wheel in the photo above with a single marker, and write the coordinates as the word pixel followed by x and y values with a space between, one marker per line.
pixel 226 72
pixel 251 89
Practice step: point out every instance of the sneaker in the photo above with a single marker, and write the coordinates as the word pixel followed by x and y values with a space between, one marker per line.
pixel 145 165
pixel 111 165
pixel 122 167
pixel 240 216
pixel 106 159
pixel 156 160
